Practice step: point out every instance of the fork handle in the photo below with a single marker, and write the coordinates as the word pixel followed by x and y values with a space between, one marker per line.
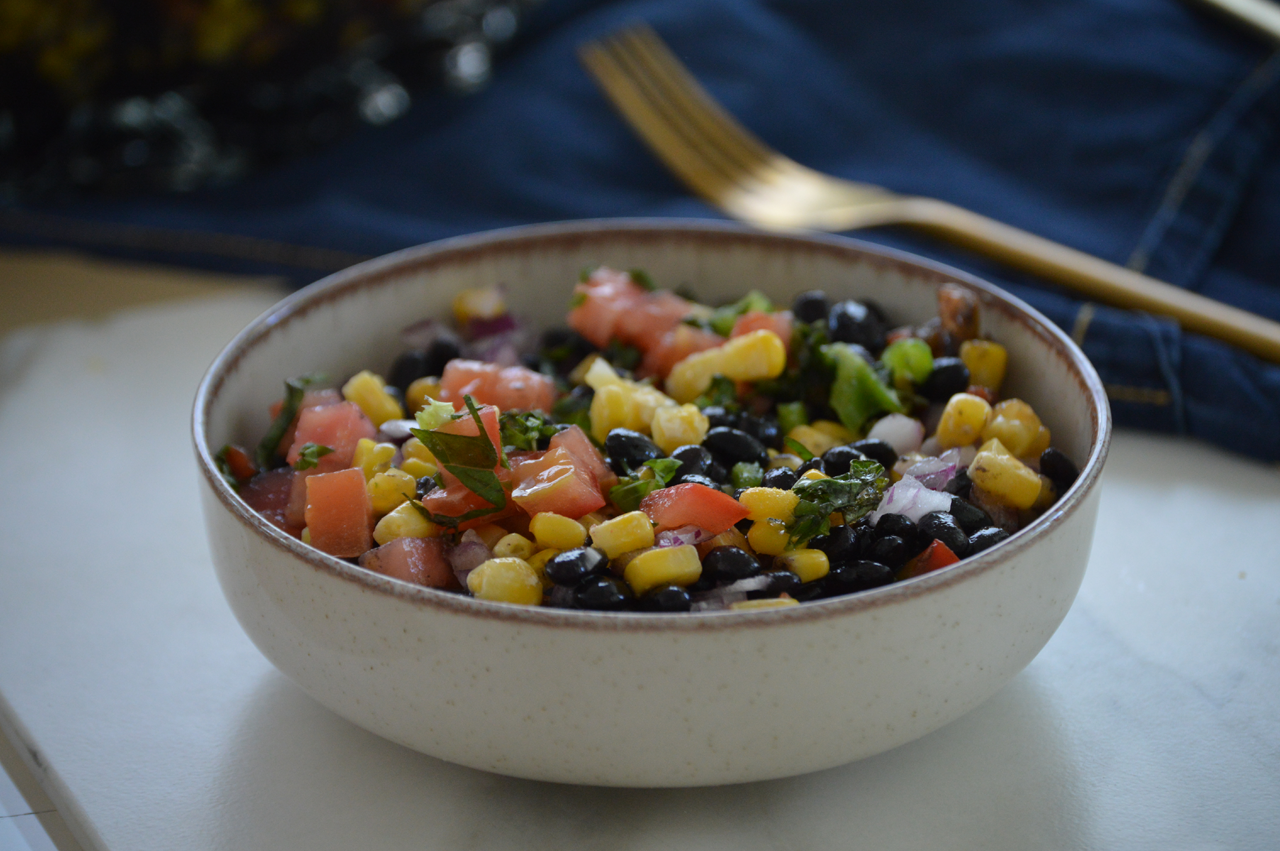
pixel 1094 278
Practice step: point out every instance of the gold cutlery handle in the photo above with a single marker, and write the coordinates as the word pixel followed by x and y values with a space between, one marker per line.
pixel 1092 277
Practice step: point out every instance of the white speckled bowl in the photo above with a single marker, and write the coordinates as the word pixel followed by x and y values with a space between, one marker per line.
pixel 640 700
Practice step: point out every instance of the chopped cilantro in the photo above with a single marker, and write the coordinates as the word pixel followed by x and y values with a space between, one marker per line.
pixel 853 494
pixel 294 390
pixel 722 318
pixel 630 490
pixel 224 468
pixel 435 414
pixel 525 429
pixel 642 279
pixel 722 392
pixel 472 459
pixel 309 456
pixel 798 448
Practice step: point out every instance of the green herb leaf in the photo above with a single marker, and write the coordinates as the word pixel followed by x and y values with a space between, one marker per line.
pixel 722 318
pixel 722 392
pixel 622 356
pixel 224 468
pixel 294 389
pixel 792 414
pixel 798 448
pixel 471 458
pixel 664 469
pixel 746 474
pixel 309 456
pixel 577 300
pixel 435 414
pixel 626 495
pixel 857 394
pixel 853 494
pixel 573 410
pixel 524 430
pixel 642 279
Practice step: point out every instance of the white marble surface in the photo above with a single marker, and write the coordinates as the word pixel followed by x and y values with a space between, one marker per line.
pixel 1151 720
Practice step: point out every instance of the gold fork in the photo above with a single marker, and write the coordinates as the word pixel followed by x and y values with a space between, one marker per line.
pixel 729 167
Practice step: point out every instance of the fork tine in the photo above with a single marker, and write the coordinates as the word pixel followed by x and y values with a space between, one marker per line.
pixel 629 94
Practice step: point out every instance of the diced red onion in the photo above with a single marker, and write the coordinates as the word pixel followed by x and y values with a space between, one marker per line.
pixel 395 431
pixel 683 535
pixel 420 335
pixel 716 599
pixel 900 431
pixel 470 553
pixel 501 324
pixel 933 473
pixel 503 349
pixel 912 500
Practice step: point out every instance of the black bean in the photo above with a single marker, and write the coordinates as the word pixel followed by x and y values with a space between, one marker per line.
pixel 779 477
pixel 836 460
pixel 696 479
pixel 665 598
pixel 729 564
pixel 426 485
pixel 812 306
pixel 731 446
pixel 959 485
pixel 896 524
pixel 941 526
pixel 1059 468
pixel 602 593
pixel 743 526
pixel 877 450
pixel 970 517
pixel 891 550
pixel 841 544
pixel 718 472
pixel 763 429
pixel 628 450
pixel 408 368
pixel 572 566
pixel 780 582
pixel 811 590
pixel 719 416
pixel 949 377
pixel 693 460
pixel 858 576
pixel 985 538
pixel 851 322
pixel 811 464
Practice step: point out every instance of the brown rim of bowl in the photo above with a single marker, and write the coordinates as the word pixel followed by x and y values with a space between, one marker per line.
pixel 450 250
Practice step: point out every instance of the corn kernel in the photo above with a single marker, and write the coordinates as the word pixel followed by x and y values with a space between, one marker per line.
pixel 831 428
pixel 766 603
pixel 815 441
pixel 600 373
pixel 766 503
pixel 419 392
pixel 785 459
pixel 590 521
pixel 610 409
pixel 751 357
pixel 1016 426
pixel 414 448
pixel 1048 495
pixel 388 489
pixel 768 537
pixel 478 303
pixel 1004 477
pixel 506 580
pixel 369 391
pixel 418 468
pixel 986 362
pixel 962 421
pixel 557 531
pixel 538 561
pixel 305 537
pixel 626 532
pixel 663 566
pixel 674 427
pixel 691 376
pixel 490 533
pixel 373 458
pixel 806 563
pixel 513 545
pixel 405 522
pixel 813 475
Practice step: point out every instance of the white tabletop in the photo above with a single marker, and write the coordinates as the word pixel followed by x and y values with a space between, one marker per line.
pixel 1151 719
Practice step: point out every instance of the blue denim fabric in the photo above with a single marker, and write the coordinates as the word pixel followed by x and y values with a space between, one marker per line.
pixel 1142 131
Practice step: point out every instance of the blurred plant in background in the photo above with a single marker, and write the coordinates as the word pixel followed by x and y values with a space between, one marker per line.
pixel 173 95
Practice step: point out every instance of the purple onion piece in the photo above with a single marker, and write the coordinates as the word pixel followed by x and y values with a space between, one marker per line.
pixel 395 431
pixel 503 349
pixel 470 553
pixel 903 433
pixel 912 500
pixel 683 535
pixel 933 473
pixel 420 335
pixel 479 328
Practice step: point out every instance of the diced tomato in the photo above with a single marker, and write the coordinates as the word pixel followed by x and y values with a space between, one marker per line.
pixel 417 560
pixel 604 299
pixel 757 320
pixel 693 505
pixel 654 314
pixel 455 501
pixel 935 556
pixel 575 441
pixel 562 488
pixel 238 462
pixel 268 494
pixel 339 516
pixel 674 346
pixel 310 399
pixel 509 388
pixel 338 427
pixel 295 514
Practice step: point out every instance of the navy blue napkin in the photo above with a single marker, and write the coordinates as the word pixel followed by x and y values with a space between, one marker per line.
pixel 1141 131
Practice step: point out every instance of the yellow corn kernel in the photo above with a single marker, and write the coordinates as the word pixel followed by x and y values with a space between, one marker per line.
pixel 831 428
pixel 674 427
pixel 388 489
pixel 766 503
pixel 418 468
pixel 590 521
pixel 538 561
pixel 373 458
pixel 478 303
pixel 814 475
pixel 1048 495
pixel 405 522
pixel 513 545
pixel 557 531
pixel 414 448
pixel 785 459
pixel 1003 476
pixel 1016 426
pixel 646 401
pixel 986 362
pixel 610 409
pixel 768 537
pixel 805 563
pixel 754 356
pixel 490 533
pixel 624 533
pixel 369 391
pixel 962 421
pixel 506 580
pixel 419 392
pixel 305 537
pixel 600 373
pixel 766 603
pixel 691 376
pixel 663 566
pixel 815 441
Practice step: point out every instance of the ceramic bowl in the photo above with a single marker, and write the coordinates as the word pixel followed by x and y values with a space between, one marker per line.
pixel 636 699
